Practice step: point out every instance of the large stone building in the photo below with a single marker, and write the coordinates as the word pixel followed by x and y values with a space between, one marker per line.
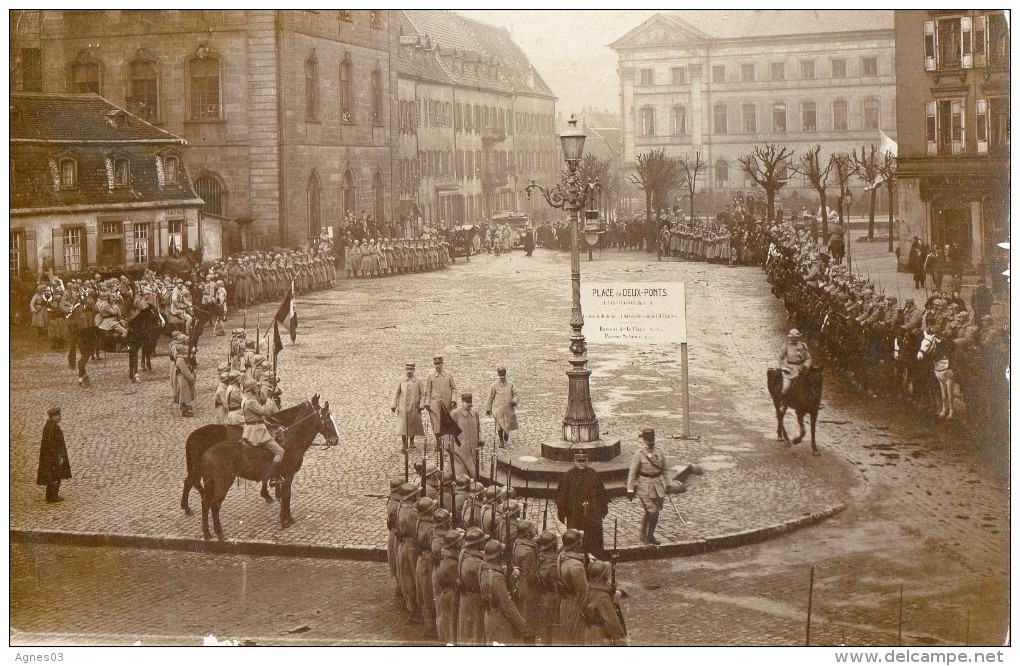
pixel 93 185
pixel 288 114
pixel 476 121
pixel 719 83
pixel 952 87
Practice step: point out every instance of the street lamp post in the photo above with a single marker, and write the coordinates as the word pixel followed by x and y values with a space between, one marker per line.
pixel 848 202
pixel 580 424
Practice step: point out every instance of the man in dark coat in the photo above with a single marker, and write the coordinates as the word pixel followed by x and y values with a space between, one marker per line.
pixel 53 463
pixel 582 502
pixel 529 241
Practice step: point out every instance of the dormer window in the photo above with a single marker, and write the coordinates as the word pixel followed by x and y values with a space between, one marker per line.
pixel 121 172
pixel 68 174
pixel 170 167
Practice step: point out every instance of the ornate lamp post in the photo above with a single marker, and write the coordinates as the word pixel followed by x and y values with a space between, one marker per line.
pixel 579 424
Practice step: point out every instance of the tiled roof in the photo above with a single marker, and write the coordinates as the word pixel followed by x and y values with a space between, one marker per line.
pixel 601 120
pixel 464 40
pixel 612 136
pixel 74 118
pixel 46 129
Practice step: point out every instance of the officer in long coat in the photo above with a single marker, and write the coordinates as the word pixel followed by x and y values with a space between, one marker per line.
pixel 471 613
pixel 439 391
pixel 408 403
pixel 53 463
pixel 573 584
pixel 504 623
pixel 647 480
pixel 465 448
pixel 407 546
pixel 502 405
pixel 446 587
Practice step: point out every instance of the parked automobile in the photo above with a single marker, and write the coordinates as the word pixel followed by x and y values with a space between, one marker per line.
pixel 519 222
pixel 465 240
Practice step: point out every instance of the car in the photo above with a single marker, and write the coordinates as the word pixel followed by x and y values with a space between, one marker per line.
pixel 519 222
pixel 465 240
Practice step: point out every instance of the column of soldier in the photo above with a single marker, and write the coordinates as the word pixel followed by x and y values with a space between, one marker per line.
pixel 862 327
pixel 247 374
pixel 263 276
pixel 471 565
pixel 695 240
pixel 385 256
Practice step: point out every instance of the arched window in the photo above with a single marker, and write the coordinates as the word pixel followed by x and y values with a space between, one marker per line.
pixel 204 82
pixel 210 191
pixel 647 121
pixel 143 99
pixel 722 173
pixel 347 194
pixel 312 88
pixel 314 196
pixel 779 117
pixel 679 118
pixel 84 76
pixel 377 97
pixel 377 196
pixel 346 100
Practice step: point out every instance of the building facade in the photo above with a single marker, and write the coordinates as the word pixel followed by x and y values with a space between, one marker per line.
pixel 719 83
pixel 952 83
pixel 475 116
pixel 288 114
pixel 93 185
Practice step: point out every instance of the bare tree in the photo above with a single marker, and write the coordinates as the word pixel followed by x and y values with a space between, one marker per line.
pixel 841 172
pixel 767 167
pixel 655 173
pixel 887 174
pixel 811 167
pixel 865 166
pixel 689 170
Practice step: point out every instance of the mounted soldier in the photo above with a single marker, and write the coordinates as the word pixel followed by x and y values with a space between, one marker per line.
pixel 794 359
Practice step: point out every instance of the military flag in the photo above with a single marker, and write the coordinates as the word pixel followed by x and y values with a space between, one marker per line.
pixel 286 315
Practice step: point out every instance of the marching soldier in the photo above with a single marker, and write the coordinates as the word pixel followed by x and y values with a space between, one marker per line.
pixel 529 588
pixel 573 585
pixel 471 514
pixel 392 504
pixel 548 607
pixel 470 613
pixel 446 586
pixel 407 548
pixel 504 624
pixel 647 480
pixel 423 565
pixel 603 620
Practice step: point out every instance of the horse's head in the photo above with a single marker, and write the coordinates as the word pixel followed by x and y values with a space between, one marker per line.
pixel 928 345
pixel 327 427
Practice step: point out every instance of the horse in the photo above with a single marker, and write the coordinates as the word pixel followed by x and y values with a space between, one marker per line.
pixel 938 349
pixel 225 461
pixel 166 324
pixel 205 437
pixel 804 396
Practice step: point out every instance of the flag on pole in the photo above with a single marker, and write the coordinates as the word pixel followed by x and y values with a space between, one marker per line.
pixel 286 315
pixel 277 343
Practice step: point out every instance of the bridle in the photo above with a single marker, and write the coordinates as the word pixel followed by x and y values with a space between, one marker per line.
pixel 317 413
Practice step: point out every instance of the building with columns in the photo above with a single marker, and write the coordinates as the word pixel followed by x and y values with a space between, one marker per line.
pixel 717 83
pixel 287 113
pixel 476 121
pixel 952 87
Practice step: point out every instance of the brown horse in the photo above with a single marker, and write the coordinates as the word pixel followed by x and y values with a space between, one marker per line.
pixel 225 461
pixel 805 396
pixel 205 437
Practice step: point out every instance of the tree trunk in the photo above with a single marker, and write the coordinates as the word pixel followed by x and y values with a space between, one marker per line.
pixel 648 206
pixel 825 217
pixel 770 205
pixel 889 193
pixel 871 214
pixel 839 211
pixel 692 203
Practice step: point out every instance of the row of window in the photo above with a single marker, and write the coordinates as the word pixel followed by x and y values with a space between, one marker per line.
pixel 962 42
pixel 348 199
pixel 78 20
pixel 945 126
pixel 345 97
pixel 67 170
pixel 434 113
pixel 440 163
pixel 839 119
pixel 750 72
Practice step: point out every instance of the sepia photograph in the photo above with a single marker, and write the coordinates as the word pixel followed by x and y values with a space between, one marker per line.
pixel 383 328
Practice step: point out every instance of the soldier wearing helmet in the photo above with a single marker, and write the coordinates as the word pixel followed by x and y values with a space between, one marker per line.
pixel 548 610
pixel 407 547
pixel 471 514
pixel 471 613
pixel 423 566
pixel 504 623
pixel 392 504
pixel 601 615
pixel 445 585
pixel 573 585
pixel 794 359
pixel 525 559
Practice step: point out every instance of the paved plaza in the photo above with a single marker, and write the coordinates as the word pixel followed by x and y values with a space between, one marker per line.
pixel 126 441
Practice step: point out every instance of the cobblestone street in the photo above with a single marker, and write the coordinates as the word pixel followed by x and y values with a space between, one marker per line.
pixel 923 503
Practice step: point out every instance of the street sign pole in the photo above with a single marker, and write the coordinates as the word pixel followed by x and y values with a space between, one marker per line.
pixel 687 391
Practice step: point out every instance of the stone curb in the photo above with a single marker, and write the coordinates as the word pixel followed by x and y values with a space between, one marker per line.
pixel 370 554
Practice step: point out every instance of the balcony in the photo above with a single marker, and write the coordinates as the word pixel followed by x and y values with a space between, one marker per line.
pixel 492 135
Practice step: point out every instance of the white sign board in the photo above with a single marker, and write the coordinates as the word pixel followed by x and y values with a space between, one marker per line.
pixel 634 313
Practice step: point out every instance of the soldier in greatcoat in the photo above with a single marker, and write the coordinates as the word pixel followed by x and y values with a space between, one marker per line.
pixel 529 587
pixel 408 403
pixel 423 565
pixel 603 625
pixel 504 623
pixel 439 391
pixel 573 584
pixel 471 513
pixel 465 447
pixel 471 613
pixel 446 587
pixel 548 610
pixel 392 504
pixel 407 547
pixel 502 405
